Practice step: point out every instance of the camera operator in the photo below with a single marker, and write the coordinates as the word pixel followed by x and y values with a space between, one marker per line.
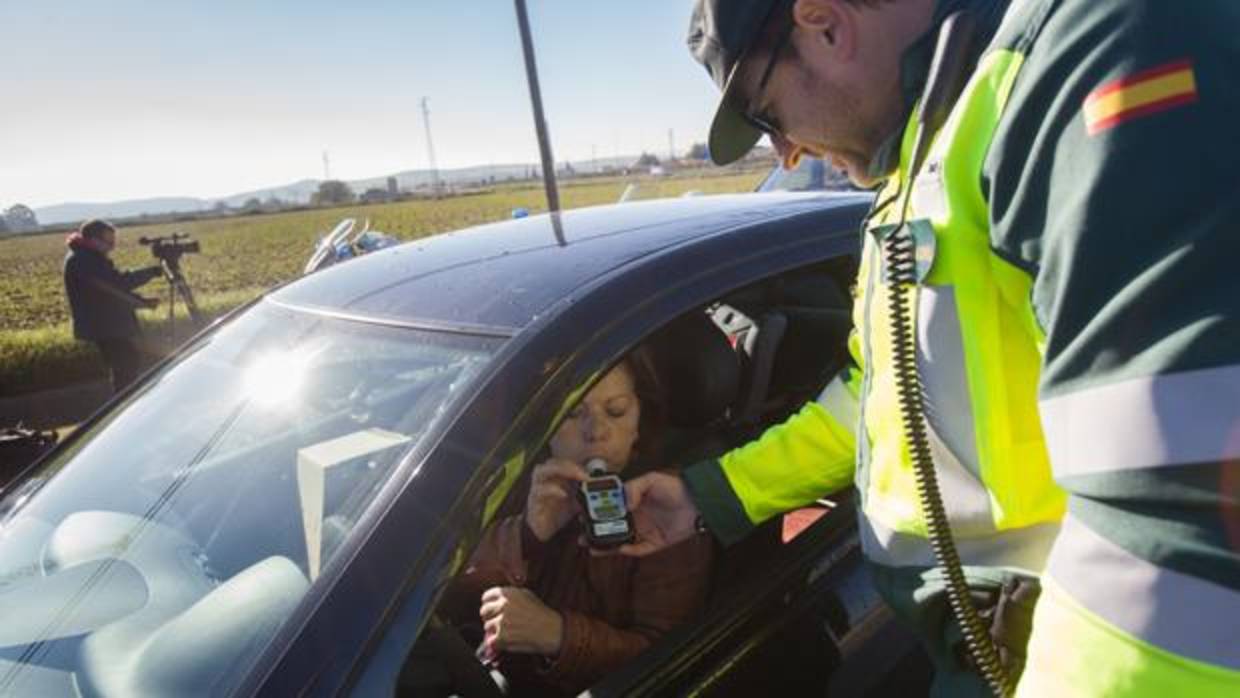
pixel 102 301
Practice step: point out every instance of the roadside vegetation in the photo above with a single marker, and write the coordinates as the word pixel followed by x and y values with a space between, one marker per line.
pixel 244 255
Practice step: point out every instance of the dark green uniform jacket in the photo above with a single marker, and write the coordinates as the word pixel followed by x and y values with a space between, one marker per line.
pixel 1089 175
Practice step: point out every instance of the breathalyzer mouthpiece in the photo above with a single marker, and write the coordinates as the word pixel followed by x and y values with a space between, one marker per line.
pixel 597 467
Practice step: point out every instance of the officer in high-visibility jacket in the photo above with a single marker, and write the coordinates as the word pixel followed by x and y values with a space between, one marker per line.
pixel 1076 317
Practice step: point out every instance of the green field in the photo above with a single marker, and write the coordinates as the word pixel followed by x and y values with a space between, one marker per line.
pixel 243 255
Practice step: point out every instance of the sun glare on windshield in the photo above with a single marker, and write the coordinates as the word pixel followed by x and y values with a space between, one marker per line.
pixel 275 379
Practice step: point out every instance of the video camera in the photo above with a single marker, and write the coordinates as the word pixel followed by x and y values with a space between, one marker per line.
pixel 169 248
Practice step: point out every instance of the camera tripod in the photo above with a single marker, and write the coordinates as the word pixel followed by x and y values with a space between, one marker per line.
pixel 178 286
pixel 168 250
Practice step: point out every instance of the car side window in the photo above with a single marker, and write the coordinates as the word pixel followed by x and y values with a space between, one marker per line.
pixel 545 614
pixel 705 360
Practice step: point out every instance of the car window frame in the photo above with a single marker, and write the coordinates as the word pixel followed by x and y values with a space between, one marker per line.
pixel 379 667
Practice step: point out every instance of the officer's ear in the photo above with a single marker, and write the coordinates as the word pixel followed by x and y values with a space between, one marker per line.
pixel 830 24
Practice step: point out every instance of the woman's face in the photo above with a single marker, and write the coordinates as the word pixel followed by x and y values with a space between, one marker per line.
pixel 603 425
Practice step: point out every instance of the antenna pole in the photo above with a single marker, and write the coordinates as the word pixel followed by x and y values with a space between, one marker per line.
pixel 540 123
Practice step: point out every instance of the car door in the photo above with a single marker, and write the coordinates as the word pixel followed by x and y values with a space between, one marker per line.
pixel 575 345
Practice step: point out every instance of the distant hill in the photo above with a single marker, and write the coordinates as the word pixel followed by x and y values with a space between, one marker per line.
pixel 73 212
pixel 299 192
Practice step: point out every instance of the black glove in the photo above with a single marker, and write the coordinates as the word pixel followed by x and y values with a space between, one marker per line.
pixel 1008 612
pixel 1012 622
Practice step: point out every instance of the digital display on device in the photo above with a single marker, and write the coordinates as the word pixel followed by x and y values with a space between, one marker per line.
pixel 608 523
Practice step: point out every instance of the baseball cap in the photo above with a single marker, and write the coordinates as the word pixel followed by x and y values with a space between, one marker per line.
pixel 721 34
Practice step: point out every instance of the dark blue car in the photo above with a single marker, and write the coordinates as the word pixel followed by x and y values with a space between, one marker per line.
pixel 277 508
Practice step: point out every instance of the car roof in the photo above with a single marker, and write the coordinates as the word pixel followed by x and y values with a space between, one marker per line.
pixel 501 276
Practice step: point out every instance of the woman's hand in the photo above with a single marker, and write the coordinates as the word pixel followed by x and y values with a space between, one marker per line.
pixel 552 502
pixel 516 620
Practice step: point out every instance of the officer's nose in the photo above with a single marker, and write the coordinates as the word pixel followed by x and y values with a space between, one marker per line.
pixel 789 153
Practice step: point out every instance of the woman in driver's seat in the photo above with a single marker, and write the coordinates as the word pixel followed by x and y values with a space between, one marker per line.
pixel 557 619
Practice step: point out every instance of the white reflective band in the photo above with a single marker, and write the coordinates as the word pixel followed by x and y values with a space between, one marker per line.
pixel 965 499
pixel 1024 549
pixel 840 403
pixel 944 378
pixel 1172 419
pixel 1180 613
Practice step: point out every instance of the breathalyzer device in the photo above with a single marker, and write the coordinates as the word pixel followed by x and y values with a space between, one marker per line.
pixel 605 513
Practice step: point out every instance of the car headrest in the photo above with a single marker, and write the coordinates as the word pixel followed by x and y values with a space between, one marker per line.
pixel 815 312
pixel 819 313
pixel 814 342
pixel 699 368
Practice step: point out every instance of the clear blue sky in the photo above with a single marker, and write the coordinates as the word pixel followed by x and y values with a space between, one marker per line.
pixel 117 99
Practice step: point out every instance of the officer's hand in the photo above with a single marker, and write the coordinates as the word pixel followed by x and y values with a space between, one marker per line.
pixel 663 513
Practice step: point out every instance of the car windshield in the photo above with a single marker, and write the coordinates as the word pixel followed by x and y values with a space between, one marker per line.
pixel 166 546
pixel 810 174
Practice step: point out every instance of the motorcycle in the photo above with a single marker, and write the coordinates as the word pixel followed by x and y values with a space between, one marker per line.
pixel 341 244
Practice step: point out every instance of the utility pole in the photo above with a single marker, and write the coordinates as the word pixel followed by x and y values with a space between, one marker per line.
pixel 430 147
pixel 327 168
pixel 671 144
pixel 540 123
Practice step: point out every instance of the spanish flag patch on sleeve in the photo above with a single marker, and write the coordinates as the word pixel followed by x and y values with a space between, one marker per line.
pixel 1147 92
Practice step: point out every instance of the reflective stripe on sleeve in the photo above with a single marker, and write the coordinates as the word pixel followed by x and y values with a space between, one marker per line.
pixel 1149 422
pixel 1024 549
pixel 840 403
pixel 1180 613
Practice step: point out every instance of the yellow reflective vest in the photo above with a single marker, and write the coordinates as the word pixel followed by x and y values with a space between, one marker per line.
pixel 1077 216
pixel 977 348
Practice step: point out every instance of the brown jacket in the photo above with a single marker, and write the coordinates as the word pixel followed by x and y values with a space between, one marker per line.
pixel 613 607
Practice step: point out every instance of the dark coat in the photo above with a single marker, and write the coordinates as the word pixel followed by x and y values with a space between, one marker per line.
pixel 101 298
pixel 613 606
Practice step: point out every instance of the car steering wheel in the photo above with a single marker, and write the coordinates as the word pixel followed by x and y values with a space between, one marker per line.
pixel 443 642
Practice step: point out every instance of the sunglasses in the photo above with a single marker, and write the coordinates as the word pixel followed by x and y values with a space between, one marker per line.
pixel 764 122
